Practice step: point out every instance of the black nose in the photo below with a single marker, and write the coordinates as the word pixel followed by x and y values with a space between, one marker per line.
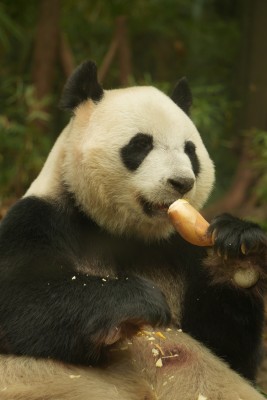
pixel 182 185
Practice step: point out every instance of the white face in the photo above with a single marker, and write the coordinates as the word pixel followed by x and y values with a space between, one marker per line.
pixel 130 156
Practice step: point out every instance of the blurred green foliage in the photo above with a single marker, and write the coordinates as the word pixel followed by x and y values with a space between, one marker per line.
pixel 23 149
pixel 169 39
pixel 260 148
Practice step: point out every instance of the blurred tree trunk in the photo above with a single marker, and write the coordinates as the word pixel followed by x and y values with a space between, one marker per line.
pixel 253 94
pixel 119 45
pixel 46 46
pixel 124 51
pixel 66 56
pixel 109 57
pixel 255 79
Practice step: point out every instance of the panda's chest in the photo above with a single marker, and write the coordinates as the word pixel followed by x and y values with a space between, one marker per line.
pixel 110 257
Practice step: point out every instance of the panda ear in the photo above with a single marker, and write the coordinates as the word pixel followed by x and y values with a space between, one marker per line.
pixel 182 95
pixel 81 86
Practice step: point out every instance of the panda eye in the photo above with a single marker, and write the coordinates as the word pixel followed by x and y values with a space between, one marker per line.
pixel 190 150
pixel 141 141
pixel 134 153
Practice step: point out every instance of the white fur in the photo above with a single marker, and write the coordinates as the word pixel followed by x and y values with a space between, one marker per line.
pixel 92 168
pixel 49 179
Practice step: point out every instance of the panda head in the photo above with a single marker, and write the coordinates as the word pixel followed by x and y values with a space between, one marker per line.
pixel 130 153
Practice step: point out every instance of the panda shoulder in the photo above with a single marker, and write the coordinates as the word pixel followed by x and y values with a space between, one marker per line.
pixel 30 214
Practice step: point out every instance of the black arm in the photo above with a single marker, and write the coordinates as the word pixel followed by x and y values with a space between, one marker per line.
pixel 47 308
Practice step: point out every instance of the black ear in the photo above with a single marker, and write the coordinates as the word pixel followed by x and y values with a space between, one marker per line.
pixel 81 86
pixel 182 95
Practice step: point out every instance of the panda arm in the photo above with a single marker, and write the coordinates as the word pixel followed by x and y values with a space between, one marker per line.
pixel 47 308
pixel 226 317
pixel 68 321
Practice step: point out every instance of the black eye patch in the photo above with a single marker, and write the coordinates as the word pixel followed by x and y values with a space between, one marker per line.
pixel 134 153
pixel 190 150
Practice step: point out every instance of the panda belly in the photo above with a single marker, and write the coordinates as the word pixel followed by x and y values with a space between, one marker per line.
pixel 121 259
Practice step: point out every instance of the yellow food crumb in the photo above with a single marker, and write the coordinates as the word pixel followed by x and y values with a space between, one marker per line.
pixel 160 349
pixel 159 363
pixel 155 352
pixel 159 334
pixel 148 333
pixel 201 397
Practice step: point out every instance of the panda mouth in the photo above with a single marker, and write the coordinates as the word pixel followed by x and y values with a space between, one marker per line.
pixel 152 209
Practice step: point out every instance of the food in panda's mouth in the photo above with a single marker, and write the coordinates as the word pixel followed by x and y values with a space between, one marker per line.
pixel 189 223
pixel 150 208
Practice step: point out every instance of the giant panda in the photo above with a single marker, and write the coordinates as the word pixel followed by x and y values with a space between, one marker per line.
pixel 100 298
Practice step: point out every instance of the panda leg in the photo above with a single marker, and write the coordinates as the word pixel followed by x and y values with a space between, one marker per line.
pixel 26 378
pixel 133 374
pixel 188 370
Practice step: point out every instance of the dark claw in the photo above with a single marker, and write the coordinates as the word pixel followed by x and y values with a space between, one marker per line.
pixel 235 238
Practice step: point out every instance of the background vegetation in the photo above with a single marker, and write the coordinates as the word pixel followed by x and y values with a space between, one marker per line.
pixel 220 45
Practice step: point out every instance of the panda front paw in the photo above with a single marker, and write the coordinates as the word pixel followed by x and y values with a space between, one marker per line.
pixel 239 254
pixel 138 303
pixel 234 238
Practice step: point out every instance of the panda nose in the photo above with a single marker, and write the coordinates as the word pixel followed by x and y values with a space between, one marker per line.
pixel 182 185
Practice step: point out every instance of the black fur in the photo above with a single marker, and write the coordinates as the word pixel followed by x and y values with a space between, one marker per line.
pixel 49 309
pixel 233 324
pixel 190 150
pixel 231 234
pixel 81 86
pixel 134 153
pixel 182 95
